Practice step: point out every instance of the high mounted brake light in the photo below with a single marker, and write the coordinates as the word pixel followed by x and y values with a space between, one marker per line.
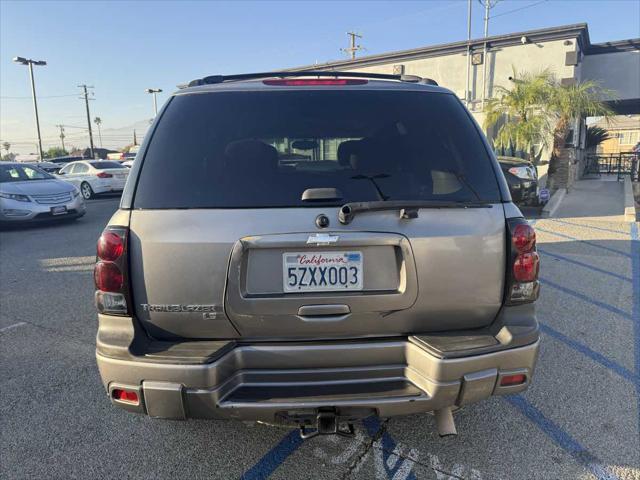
pixel 315 81
pixel 523 263
pixel 110 272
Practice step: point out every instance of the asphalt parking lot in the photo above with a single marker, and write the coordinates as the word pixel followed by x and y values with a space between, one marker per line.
pixel 580 419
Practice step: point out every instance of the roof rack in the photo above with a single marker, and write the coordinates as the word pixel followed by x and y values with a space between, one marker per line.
pixel 214 79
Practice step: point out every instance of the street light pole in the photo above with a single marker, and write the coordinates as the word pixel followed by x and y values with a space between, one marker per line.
pixel 154 91
pixel 30 63
pixel 467 93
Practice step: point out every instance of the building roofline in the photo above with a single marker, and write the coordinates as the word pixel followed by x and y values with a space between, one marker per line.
pixel 578 30
pixel 629 45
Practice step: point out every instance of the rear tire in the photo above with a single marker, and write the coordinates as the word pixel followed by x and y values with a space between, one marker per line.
pixel 86 191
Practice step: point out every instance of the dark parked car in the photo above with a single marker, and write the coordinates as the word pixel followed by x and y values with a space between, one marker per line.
pixel 522 177
pixel 49 167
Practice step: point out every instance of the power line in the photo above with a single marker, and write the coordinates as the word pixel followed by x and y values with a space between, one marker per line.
pixel 39 97
pixel 521 8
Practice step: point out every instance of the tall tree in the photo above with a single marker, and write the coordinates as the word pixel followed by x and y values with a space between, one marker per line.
pixel 98 122
pixel 6 146
pixel 520 111
pixel 570 102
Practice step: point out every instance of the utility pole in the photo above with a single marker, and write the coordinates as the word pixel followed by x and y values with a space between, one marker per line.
pixel 467 93
pixel 353 48
pixel 488 5
pixel 86 102
pixel 61 127
pixel 31 63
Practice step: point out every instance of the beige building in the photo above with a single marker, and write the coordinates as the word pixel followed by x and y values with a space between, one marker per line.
pixel 566 51
pixel 624 134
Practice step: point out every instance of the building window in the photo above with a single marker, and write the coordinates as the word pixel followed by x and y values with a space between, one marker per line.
pixel 629 137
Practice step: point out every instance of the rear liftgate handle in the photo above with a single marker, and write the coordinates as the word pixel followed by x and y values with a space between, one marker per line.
pixel 323 312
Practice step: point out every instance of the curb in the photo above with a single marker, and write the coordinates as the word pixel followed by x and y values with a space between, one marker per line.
pixel 629 202
pixel 554 202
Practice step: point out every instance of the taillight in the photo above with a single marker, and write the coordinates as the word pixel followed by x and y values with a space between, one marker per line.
pixel 110 272
pixel 128 396
pixel 524 263
pixel 108 277
pixel 315 81
pixel 526 266
pixel 511 380
pixel 104 175
pixel 110 246
pixel 523 237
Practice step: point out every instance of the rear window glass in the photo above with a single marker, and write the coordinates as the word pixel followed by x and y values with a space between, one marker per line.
pixel 103 165
pixel 264 149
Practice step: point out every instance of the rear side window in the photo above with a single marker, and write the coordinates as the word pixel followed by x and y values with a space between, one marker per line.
pixel 264 149
pixel 80 168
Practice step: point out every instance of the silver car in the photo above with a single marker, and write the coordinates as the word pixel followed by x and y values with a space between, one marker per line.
pixel 30 194
pixel 312 251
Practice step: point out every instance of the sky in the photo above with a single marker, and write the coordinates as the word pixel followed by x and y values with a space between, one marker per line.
pixel 122 47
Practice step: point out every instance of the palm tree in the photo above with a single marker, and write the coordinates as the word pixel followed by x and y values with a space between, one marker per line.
pixel 521 110
pixel 98 122
pixel 595 136
pixel 6 146
pixel 569 102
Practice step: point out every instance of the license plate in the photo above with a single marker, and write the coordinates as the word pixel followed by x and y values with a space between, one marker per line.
pixel 61 210
pixel 321 271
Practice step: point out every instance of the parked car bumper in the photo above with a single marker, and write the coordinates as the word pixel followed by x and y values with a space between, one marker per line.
pixel 13 211
pixel 525 192
pixel 108 185
pixel 287 382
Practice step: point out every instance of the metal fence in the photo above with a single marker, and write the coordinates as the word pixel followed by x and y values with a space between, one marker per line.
pixel 621 164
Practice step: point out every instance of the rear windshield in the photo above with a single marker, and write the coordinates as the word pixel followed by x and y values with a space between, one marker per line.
pixel 264 149
pixel 104 165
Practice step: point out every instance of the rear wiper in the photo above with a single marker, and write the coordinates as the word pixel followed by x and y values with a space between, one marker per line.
pixel 408 208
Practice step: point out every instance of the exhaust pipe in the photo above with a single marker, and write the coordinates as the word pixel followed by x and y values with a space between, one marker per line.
pixel 445 423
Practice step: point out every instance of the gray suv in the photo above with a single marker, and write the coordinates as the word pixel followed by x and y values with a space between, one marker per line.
pixel 312 249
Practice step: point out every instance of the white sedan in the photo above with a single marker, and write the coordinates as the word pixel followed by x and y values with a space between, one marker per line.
pixel 95 176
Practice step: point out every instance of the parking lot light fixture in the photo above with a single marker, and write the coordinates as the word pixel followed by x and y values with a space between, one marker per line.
pixel 30 63
pixel 154 91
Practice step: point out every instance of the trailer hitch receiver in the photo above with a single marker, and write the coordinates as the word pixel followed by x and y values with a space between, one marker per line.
pixel 327 423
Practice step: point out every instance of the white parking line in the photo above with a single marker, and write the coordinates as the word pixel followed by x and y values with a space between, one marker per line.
pixel 11 327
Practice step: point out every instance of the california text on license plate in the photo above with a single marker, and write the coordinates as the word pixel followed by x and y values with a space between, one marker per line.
pixel 321 271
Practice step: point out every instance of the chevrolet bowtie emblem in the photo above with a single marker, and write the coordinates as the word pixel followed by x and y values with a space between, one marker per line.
pixel 321 239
